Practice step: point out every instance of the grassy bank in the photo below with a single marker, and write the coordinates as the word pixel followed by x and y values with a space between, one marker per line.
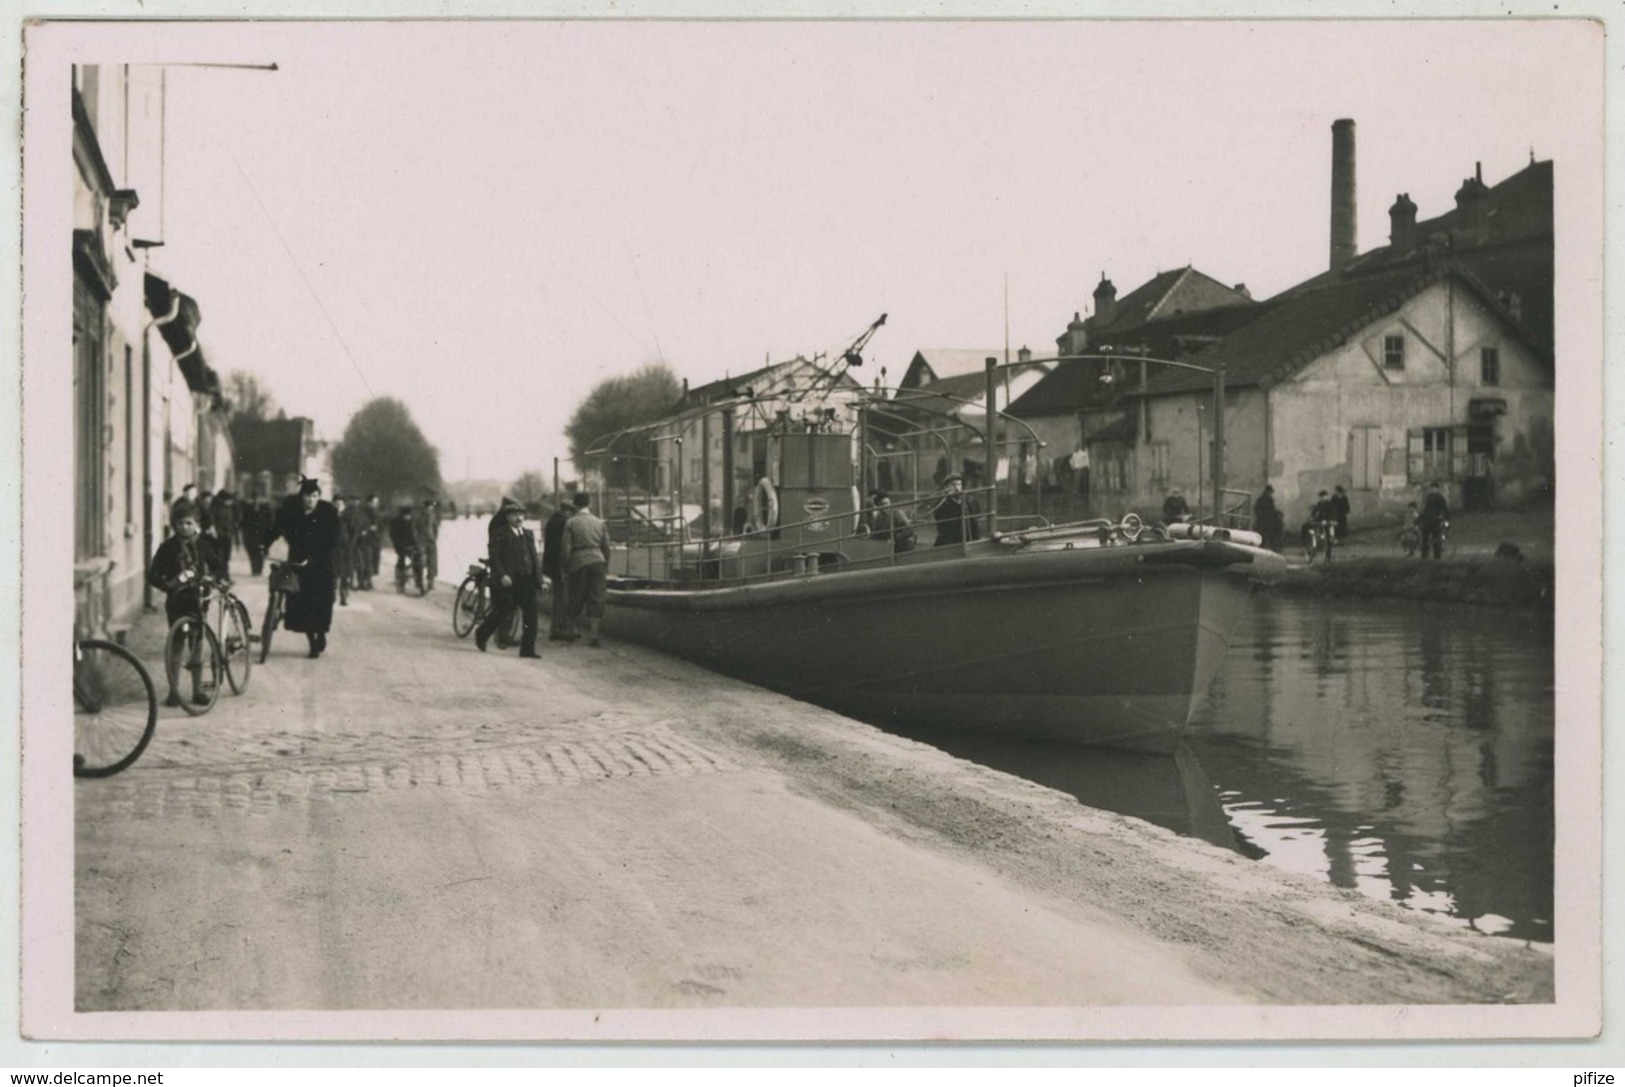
pixel 1486 581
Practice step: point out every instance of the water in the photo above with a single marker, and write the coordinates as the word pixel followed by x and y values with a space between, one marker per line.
pixel 1398 750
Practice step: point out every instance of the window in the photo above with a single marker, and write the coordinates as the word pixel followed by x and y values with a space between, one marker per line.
pixel 1430 449
pixel 1159 462
pixel 89 388
pixel 1393 352
pixel 1489 365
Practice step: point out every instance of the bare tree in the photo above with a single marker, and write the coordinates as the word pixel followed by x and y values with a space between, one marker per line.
pixel 249 399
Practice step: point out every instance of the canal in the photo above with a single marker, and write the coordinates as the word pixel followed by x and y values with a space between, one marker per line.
pixel 1398 750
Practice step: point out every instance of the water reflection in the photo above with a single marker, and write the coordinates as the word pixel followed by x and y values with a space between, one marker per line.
pixel 1400 751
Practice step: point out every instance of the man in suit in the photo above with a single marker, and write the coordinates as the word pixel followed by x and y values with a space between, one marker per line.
pixel 516 576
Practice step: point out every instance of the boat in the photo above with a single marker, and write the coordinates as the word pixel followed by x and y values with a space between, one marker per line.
pixel 1105 631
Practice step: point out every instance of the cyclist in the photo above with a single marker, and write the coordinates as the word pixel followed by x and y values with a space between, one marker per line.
pixel 1434 519
pixel 403 538
pixel 177 568
pixel 1322 516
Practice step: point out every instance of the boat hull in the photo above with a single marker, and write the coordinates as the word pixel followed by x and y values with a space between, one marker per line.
pixel 1103 646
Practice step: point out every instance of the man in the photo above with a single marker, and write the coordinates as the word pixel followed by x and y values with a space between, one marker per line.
pixel 584 557
pixel 1340 512
pixel 956 513
pixel 1321 517
pixel 515 573
pixel 889 523
pixel 403 537
pixel 223 520
pixel 559 629
pixel 373 531
pixel 344 550
pixel 1175 508
pixel 1267 518
pixel 256 522
pixel 1433 520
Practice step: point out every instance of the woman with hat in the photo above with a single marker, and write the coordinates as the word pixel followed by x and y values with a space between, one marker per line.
pixel 312 531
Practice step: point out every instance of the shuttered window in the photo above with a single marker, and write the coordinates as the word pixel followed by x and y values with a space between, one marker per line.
pixel 1365 457
pixel 1430 455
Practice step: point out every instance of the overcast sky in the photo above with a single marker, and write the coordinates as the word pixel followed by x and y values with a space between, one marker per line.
pixel 485 219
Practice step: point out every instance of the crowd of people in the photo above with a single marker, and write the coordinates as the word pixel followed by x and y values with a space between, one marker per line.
pixel 574 559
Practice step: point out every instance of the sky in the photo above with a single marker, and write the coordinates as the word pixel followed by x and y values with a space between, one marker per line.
pixel 485 219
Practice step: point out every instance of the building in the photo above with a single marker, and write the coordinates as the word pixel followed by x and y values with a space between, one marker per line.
pixel 148 415
pixel 272 455
pixel 1430 358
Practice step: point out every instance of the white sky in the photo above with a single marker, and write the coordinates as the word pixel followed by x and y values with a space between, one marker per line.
pixel 498 215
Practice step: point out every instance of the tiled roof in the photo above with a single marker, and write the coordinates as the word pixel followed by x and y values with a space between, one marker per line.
pixel 1293 330
pixel 1511 252
pixel 944 397
pixel 1168 294
pixel 1072 385
pixel 946 362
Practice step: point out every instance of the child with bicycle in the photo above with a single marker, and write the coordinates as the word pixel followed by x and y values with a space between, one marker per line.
pixel 178 568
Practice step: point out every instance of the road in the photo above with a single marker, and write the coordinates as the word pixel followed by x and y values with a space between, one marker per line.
pixel 407 823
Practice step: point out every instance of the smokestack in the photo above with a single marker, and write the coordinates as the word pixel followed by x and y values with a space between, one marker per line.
pixel 1344 225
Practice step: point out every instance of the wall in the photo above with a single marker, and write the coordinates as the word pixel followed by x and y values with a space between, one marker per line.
pixel 1185 423
pixel 1314 414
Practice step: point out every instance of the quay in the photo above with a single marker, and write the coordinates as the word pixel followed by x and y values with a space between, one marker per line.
pixel 410 824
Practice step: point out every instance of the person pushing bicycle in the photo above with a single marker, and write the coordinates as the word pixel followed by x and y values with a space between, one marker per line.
pixel 178 568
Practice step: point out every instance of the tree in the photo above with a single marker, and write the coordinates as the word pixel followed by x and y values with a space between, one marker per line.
pixel 384 453
pixel 248 398
pixel 532 491
pixel 615 404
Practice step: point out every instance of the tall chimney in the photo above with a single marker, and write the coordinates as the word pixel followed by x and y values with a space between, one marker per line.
pixel 1343 219
pixel 1105 302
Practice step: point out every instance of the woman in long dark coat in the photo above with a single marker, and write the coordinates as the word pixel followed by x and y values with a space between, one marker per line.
pixel 311 528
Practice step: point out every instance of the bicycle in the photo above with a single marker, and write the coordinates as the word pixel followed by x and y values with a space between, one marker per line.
pixel 193 646
pixel 473 604
pixel 1447 546
pixel 410 584
pixel 283 579
pixel 115 708
pixel 1317 540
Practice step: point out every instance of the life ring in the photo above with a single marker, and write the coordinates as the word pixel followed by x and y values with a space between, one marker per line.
pixel 764 508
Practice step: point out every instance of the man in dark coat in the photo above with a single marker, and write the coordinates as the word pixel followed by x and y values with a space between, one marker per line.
pixel 1267 521
pixel 255 523
pixel 559 627
pixel 223 523
pixel 403 537
pixel 1433 520
pixel 312 530
pixel 516 575
pixel 956 513
pixel 1340 512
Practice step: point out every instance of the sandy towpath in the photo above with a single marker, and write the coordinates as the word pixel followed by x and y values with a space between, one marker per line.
pixel 410 824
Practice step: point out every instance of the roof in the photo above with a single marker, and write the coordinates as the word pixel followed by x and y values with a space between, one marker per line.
pixel 943 397
pixel 730 387
pixel 1510 250
pixel 1169 294
pixel 946 362
pixel 1076 383
pixel 1293 330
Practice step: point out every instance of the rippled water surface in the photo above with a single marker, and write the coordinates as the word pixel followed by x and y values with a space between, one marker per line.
pixel 1399 750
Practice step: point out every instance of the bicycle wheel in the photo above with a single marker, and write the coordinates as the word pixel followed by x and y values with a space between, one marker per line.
pixel 192 648
pixel 413 585
pixel 466 610
pixel 234 649
pixel 115 709
pixel 273 616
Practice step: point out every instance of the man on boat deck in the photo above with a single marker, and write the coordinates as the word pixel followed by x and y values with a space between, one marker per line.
pixel 956 513
pixel 888 523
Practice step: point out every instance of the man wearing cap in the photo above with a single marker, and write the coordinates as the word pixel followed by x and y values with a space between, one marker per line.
pixel 516 575
pixel 312 530
pixel 584 557
pixel 956 513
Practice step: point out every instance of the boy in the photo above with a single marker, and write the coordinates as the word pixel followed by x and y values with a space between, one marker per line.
pixel 177 566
